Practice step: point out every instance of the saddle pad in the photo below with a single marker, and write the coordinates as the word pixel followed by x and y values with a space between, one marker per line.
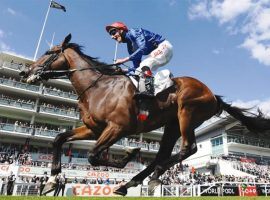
pixel 162 80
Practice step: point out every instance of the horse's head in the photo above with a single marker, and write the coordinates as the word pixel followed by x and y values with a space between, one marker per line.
pixel 53 60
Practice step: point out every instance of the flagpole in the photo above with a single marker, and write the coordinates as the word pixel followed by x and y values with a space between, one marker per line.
pixel 42 30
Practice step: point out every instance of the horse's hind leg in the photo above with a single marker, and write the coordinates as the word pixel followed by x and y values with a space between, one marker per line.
pixel 169 138
pixel 81 133
pixel 188 145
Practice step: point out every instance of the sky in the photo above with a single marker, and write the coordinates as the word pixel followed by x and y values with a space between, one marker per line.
pixel 223 43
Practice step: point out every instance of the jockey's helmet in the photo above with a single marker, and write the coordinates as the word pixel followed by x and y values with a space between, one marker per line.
pixel 117 25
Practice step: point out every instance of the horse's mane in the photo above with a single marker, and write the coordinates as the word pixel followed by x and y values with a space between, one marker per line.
pixel 92 61
pixel 78 48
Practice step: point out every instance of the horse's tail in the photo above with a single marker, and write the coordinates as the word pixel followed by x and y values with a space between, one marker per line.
pixel 253 122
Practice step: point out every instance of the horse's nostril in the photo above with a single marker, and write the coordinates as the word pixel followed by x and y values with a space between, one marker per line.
pixel 22 73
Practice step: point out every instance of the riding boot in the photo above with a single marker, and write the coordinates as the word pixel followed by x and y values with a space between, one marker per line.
pixel 147 89
pixel 149 86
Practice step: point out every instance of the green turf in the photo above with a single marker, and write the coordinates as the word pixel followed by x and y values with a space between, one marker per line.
pixel 130 198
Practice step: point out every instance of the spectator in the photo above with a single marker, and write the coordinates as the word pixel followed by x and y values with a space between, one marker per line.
pixel 43 181
pixel 10 183
pixel 75 180
pixel 57 184
pixel 84 181
pixel 62 184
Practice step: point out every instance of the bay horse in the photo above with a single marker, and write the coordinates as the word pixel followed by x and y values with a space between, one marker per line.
pixel 108 110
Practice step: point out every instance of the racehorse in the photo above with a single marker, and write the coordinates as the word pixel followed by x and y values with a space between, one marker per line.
pixel 108 110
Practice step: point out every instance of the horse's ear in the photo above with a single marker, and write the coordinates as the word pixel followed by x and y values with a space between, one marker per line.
pixel 67 39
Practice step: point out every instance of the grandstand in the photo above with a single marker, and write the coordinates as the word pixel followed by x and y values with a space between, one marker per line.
pixel 32 115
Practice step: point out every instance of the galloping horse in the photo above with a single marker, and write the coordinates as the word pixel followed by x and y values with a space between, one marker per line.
pixel 108 110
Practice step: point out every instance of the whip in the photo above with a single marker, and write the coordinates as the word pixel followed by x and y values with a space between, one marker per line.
pixel 115 51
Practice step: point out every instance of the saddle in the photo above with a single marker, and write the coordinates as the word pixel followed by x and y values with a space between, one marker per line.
pixel 162 80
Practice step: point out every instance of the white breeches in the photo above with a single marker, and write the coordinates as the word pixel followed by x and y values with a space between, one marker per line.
pixel 157 58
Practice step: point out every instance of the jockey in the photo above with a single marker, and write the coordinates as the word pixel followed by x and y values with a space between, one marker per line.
pixel 142 42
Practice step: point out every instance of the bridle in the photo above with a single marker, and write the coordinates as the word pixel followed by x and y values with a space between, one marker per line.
pixel 45 71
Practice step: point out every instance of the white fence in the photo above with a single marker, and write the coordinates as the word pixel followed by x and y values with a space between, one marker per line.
pixel 213 189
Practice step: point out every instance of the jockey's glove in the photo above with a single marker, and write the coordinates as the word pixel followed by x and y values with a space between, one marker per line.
pixel 131 70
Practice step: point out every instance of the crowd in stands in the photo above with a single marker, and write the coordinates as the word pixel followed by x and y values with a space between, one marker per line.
pixel 248 140
pixel 172 177
pixel 21 155
pixel 37 127
pixel 11 100
pixel 71 110
pixel 15 101
pixel 45 90
pixel 56 91
pixel 251 166
pixel 183 174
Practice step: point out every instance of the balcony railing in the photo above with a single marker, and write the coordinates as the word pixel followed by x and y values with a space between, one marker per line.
pixel 35 88
pixel 17 84
pixel 46 133
pixel 58 111
pixel 12 65
pixel 67 95
pixel 15 128
pixel 17 104
pixel 248 141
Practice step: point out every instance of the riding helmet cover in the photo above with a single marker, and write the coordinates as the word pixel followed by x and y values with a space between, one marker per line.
pixel 117 25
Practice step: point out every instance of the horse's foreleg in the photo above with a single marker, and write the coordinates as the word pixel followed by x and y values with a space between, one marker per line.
pixel 111 134
pixel 81 133
pixel 170 136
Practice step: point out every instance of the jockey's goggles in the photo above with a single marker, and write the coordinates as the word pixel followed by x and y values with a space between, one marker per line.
pixel 112 32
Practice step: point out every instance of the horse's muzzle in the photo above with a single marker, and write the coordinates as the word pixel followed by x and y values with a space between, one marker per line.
pixel 24 73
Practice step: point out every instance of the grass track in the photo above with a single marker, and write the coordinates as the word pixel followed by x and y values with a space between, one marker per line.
pixel 129 198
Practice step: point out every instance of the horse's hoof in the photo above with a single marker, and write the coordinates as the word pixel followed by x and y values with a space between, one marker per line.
pixel 92 160
pixel 133 152
pixel 121 191
pixel 152 185
pixel 49 187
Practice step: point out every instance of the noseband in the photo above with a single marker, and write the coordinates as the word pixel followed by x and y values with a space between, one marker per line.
pixel 46 72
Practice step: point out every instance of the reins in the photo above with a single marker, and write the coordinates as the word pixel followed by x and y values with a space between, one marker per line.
pixel 63 74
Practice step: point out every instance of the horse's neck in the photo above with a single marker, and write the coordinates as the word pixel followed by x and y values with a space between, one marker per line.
pixel 84 76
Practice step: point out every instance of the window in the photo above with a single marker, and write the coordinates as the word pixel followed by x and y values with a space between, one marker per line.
pixel 217 141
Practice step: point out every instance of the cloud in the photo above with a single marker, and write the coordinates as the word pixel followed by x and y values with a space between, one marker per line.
pixel 172 2
pixel 247 17
pixel 1 33
pixel 215 51
pixel 264 106
pixel 6 48
pixel 11 11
